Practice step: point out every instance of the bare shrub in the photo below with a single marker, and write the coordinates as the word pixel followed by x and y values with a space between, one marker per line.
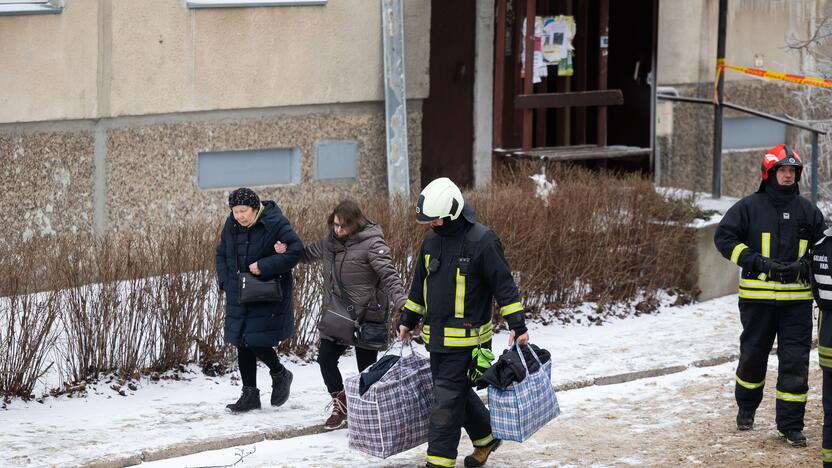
pixel 598 236
pixel 140 302
pixel 26 338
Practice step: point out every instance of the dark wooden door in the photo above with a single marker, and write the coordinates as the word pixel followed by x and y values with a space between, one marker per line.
pixel 448 113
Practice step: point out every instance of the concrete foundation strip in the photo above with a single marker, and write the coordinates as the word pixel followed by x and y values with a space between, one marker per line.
pixel 189 448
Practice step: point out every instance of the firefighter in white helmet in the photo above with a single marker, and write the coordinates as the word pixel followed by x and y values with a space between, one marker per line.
pixel 460 271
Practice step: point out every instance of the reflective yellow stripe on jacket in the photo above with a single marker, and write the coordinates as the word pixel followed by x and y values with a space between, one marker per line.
pixel 774 291
pixel 735 254
pixel 414 307
pixel 462 337
pixel 459 297
pixel 511 308
pixel 425 281
pixel 766 251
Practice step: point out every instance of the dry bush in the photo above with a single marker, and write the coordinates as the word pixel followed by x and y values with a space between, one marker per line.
pixel 138 302
pixel 598 236
pixel 26 338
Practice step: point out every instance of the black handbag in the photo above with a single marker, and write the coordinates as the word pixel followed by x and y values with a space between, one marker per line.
pixel 373 334
pixel 251 288
pixel 338 319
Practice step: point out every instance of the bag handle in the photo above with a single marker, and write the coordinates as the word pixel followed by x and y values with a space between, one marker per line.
pixel 398 341
pixel 523 359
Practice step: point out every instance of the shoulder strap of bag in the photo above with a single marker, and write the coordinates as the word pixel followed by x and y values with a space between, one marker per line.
pixel 341 292
pixel 236 246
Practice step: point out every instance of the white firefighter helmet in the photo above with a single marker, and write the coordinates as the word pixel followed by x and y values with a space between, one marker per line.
pixel 439 199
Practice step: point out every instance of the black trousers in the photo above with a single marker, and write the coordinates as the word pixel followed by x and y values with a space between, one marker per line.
pixel 247 360
pixel 827 418
pixel 456 406
pixel 792 325
pixel 328 355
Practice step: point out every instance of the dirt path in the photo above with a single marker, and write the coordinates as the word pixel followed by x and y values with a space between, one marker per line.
pixel 683 419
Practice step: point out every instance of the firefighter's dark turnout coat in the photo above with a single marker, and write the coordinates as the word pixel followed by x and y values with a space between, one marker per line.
pixel 454 286
pixel 755 227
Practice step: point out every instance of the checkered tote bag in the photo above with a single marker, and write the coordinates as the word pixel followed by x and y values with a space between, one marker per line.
pixel 392 415
pixel 520 410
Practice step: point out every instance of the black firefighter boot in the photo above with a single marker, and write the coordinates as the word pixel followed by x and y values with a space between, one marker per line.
pixel 281 381
pixel 793 438
pixel 249 400
pixel 745 420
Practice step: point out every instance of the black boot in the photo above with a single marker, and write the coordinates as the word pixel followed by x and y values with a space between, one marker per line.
pixel 281 381
pixel 745 420
pixel 249 400
pixel 793 438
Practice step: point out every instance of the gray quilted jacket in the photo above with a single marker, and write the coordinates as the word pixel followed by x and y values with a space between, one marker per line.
pixel 365 267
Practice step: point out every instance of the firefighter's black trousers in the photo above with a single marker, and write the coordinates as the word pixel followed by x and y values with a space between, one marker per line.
pixel 456 406
pixel 792 325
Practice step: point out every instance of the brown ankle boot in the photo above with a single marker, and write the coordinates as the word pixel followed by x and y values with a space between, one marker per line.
pixel 480 455
pixel 338 418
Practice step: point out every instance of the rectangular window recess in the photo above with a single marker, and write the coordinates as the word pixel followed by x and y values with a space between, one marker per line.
pixel 740 133
pixel 336 160
pixel 29 7
pixel 252 3
pixel 248 168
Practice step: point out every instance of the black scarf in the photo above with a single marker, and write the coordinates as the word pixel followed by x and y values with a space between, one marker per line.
pixel 780 195
pixel 451 228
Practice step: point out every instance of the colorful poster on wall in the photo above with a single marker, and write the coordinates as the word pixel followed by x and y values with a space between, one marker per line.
pixel 553 45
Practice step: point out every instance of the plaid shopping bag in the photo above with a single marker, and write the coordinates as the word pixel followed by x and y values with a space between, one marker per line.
pixel 392 415
pixel 520 410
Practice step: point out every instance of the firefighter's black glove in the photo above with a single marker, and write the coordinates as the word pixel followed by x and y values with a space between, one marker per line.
pixel 792 272
pixel 805 270
pixel 767 266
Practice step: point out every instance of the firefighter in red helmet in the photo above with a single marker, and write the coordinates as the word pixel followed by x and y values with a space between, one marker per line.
pixel 768 234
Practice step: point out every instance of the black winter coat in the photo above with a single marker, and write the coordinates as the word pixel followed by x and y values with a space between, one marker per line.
pixel 259 324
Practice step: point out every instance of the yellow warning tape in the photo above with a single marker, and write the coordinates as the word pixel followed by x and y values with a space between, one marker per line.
pixel 796 79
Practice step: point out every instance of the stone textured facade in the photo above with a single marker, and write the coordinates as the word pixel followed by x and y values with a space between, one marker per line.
pixel 687 153
pixel 47 180
pixel 150 176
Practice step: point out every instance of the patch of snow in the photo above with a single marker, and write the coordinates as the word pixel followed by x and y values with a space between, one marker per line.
pixel 71 430
pixel 543 186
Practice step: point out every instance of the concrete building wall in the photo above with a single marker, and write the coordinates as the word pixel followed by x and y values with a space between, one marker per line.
pixel 105 107
pixel 110 58
pixel 756 37
pixel 687 150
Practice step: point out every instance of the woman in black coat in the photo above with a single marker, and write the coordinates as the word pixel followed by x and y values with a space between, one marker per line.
pixel 255 328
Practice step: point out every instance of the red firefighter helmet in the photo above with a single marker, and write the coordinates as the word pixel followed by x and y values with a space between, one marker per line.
pixel 779 156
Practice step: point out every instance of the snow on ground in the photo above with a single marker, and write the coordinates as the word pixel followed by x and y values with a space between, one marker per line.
pixel 704 201
pixel 680 419
pixel 64 431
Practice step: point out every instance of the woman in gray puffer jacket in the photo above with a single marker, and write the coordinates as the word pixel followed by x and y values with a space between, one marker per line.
pixel 355 253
